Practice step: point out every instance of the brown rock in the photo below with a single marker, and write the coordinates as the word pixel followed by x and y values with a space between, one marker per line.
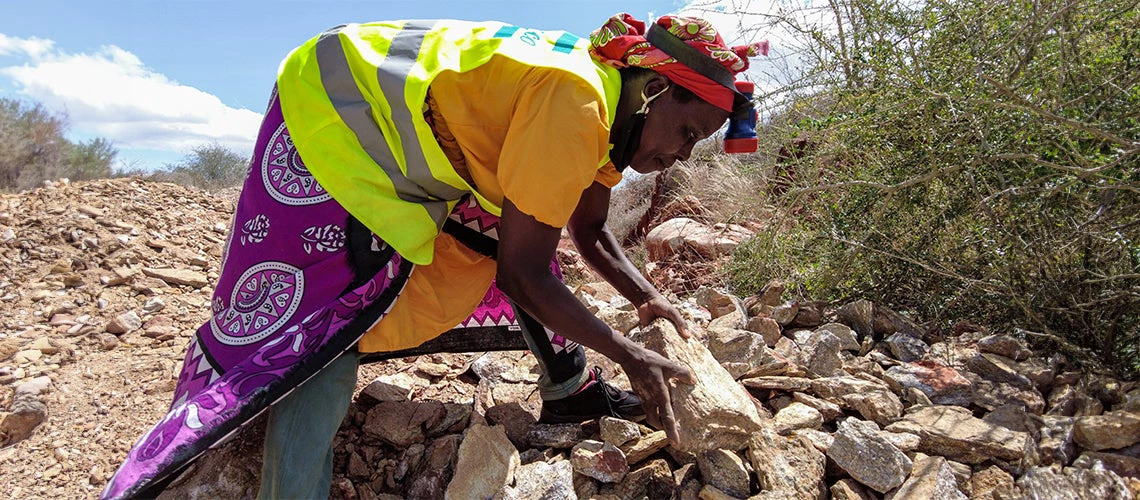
pixel 652 480
pixel 601 461
pixel 1122 465
pixel 1073 483
pixel 725 470
pixel 25 414
pixel 953 432
pixel 809 314
pixel 931 477
pixel 124 323
pixel 1112 430
pixel 715 412
pixel 487 463
pixel 942 384
pixel 989 483
pixel 861 451
pixel 767 327
pixel 641 449
pixel 738 351
pixel 433 473
pixel 858 315
pixel 401 424
pixel 797 416
pixel 789 466
pixel 617 431
pixel 543 480
pixel 185 277
pixel 848 489
pixel 828 410
pixel 1004 345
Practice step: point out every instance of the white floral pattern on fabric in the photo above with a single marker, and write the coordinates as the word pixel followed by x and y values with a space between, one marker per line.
pixel 329 238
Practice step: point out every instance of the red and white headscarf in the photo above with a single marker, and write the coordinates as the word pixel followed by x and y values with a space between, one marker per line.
pixel 621 43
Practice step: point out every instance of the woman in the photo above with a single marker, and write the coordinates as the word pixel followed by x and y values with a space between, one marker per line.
pixel 438 156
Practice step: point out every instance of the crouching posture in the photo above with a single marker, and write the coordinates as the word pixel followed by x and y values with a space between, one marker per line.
pixel 408 173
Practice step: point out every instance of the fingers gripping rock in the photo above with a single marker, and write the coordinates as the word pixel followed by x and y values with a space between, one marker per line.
pixel 715 411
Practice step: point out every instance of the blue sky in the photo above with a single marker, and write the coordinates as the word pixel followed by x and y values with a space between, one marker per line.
pixel 160 77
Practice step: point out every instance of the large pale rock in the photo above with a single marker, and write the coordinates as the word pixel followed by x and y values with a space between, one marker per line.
pixel 487 463
pixel 931 477
pixel 672 236
pixel 715 412
pixel 1112 430
pixel 601 461
pixel 543 480
pixel 860 449
pixel 1072 483
pixel 954 433
pixel 942 384
pixel 787 467
pixel 725 470
pixel 739 351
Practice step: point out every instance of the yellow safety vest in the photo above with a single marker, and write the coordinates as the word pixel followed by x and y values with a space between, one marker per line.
pixel 353 100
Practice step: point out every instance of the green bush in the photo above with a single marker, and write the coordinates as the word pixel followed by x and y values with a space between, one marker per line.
pixel 208 166
pixel 33 148
pixel 966 159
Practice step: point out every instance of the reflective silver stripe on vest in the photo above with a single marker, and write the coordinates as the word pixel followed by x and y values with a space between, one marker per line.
pixel 356 112
pixel 393 77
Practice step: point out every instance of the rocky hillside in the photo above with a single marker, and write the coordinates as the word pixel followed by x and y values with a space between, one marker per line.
pixel 103 282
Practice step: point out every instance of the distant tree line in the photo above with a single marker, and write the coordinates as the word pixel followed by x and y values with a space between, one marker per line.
pixel 33 149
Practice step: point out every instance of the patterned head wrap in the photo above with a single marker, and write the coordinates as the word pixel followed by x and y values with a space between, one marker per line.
pixel 621 42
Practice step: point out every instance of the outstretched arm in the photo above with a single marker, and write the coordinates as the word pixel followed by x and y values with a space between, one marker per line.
pixel 526 247
pixel 604 254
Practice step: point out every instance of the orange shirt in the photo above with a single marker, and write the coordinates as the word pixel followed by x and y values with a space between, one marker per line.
pixel 535 136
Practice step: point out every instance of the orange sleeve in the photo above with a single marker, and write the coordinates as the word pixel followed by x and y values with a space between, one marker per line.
pixel 551 151
pixel 608 176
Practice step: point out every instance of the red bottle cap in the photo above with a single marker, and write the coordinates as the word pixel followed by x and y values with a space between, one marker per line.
pixel 742 145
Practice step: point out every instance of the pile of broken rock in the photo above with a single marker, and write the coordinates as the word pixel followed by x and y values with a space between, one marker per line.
pixel 794 401
pixel 104 281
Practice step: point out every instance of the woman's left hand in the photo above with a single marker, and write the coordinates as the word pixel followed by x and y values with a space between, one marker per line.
pixel 658 307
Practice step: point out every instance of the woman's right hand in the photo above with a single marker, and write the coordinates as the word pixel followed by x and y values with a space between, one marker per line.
pixel 650 375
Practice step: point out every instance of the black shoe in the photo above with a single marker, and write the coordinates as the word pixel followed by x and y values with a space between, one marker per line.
pixel 597 399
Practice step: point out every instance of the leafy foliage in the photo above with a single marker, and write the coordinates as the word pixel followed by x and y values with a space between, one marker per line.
pixel 208 166
pixel 33 148
pixel 965 159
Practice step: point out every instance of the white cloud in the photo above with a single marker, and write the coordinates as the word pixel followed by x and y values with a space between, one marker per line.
pixel 110 93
